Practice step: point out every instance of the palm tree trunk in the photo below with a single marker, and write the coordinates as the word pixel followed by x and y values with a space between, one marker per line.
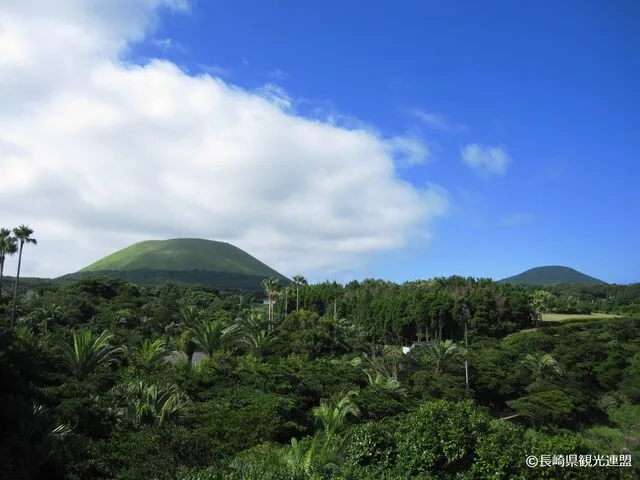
pixel 189 359
pixel 1 274
pixel 466 361
pixel 15 288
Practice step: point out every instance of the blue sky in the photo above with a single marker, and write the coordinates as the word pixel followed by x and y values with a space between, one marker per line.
pixel 553 83
pixel 511 128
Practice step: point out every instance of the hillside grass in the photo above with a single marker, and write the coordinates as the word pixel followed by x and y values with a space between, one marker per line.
pixel 183 254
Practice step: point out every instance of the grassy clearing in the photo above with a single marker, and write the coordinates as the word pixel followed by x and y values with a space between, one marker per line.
pixel 562 317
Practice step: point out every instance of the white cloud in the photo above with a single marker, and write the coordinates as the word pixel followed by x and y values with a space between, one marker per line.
pixel 438 121
pixel 486 160
pixel 215 70
pixel 408 150
pixel 97 153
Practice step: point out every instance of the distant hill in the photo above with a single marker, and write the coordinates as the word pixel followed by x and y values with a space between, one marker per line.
pixel 552 275
pixel 183 260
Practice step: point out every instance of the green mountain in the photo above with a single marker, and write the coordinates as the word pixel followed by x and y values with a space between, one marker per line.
pixel 552 275
pixel 183 260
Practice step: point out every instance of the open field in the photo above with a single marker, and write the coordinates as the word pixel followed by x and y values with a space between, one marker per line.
pixel 561 317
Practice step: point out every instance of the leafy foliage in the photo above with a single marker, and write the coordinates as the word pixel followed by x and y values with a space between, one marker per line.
pixel 323 391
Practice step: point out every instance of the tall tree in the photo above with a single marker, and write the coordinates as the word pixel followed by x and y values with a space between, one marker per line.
pixel 22 235
pixel 286 291
pixel 298 280
pixel 8 246
pixel 271 287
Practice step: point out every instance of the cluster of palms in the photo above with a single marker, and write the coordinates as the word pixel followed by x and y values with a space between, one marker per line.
pixel 12 242
pixel 200 333
pixel 273 289
pixel 382 367
pixel 197 333
pixel 326 449
pixel 141 403
pixel 138 402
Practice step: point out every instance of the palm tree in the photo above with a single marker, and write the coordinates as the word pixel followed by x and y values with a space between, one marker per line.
pixel 252 334
pixel 285 292
pixel 271 287
pixel 298 461
pixel 443 353
pixel 188 317
pixel 388 362
pixel 539 364
pixel 322 456
pixel 298 280
pixel 211 336
pixel 149 352
pixel 149 404
pixel 377 379
pixel 22 235
pixel 332 416
pixel 8 246
pixel 257 342
pixel 87 352
pixel 43 315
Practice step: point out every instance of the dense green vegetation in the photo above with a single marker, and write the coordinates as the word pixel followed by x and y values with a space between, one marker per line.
pixel 552 275
pixel 588 299
pixel 221 281
pixel 100 379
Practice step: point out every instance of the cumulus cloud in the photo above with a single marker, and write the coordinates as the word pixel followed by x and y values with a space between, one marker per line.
pixel 97 153
pixel 438 121
pixel 486 160
pixel 215 70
